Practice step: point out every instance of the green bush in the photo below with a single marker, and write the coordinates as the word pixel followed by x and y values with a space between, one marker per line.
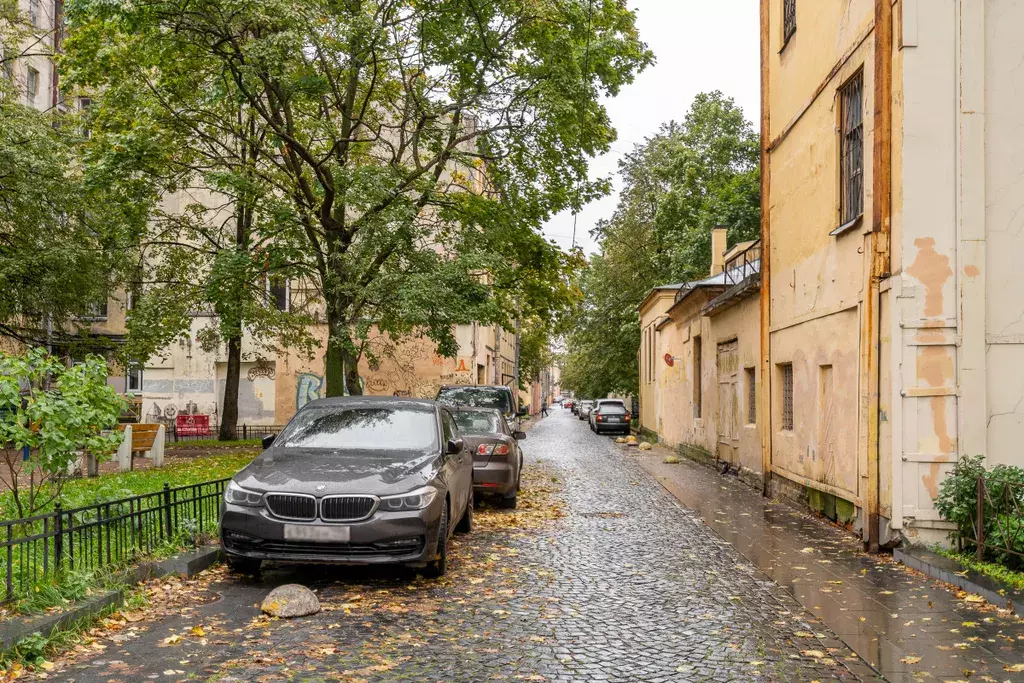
pixel 1003 526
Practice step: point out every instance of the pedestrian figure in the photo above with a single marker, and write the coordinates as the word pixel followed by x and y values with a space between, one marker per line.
pixel 544 409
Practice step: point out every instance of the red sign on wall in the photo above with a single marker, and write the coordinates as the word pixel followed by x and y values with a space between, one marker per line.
pixel 192 425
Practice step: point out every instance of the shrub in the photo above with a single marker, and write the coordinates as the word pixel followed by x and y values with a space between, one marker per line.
pixel 1003 527
pixel 56 413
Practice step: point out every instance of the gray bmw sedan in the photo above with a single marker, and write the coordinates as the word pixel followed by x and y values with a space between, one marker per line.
pixel 354 480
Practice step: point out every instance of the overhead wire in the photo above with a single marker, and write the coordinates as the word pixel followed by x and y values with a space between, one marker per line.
pixel 583 111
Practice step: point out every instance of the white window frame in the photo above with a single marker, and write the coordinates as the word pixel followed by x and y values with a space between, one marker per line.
pixel 134 369
pixel 32 79
pixel 287 295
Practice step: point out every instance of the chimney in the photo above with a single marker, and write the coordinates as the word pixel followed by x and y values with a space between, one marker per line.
pixel 719 245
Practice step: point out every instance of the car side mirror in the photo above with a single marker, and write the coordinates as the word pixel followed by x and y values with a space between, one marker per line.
pixel 455 446
pixel 518 436
pixel 268 441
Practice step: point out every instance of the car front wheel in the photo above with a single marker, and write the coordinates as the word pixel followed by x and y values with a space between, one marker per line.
pixel 244 565
pixel 465 524
pixel 439 566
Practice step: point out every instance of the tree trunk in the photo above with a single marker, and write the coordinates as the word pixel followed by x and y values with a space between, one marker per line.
pixel 229 411
pixel 341 365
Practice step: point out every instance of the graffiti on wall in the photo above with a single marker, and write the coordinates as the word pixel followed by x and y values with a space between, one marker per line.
pixel 308 387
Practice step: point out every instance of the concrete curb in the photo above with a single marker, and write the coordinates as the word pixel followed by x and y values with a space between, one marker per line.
pixel 950 571
pixel 186 565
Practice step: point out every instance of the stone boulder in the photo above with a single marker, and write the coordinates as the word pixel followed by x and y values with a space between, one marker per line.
pixel 291 600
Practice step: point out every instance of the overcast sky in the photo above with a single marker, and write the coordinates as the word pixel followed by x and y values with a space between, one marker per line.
pixel 700 46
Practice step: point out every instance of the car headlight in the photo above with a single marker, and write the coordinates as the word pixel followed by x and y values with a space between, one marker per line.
pixel 414 500
pixel 236 495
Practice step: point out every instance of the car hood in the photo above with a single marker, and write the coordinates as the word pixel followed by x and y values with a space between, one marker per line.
pixel 302 470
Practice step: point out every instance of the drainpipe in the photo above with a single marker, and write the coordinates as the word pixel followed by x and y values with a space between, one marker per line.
pixel 765 398
pixel 881 212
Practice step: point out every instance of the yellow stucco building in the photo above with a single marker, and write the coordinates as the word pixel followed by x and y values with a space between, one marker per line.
pixel 890 334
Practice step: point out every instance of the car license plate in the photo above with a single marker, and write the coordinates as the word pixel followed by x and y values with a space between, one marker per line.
pixel 317 534
pixel 613 419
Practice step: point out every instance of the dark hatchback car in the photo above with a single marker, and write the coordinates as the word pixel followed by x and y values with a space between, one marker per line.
pixel 498 397
pixel 497 458
pixel 355 480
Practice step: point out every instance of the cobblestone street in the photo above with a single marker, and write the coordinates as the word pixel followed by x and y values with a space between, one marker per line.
pixel 600 575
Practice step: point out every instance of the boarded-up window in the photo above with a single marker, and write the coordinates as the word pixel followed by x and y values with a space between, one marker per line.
pixel 697 377
pixel 852 152
pixel 786 373
pixel 750 376
pixel 788 20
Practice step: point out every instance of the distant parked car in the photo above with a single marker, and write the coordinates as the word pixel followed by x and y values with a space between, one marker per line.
pixel 610 416
pixel 569 404
pixel 353 480
pixel 482 396
pixel 497 458
pixel 584 410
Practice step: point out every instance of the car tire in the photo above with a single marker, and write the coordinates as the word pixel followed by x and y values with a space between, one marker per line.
pixel 244 565
pixel 438 567
pixel 465 524
pixel 509 500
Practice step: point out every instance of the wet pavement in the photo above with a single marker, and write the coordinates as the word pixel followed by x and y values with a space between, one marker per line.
pixel 601 575
pixel 906 625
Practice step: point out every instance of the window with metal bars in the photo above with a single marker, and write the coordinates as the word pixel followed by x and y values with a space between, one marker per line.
pixel 852 150
pixel 788 20
pixel 786 370
pixel 751 396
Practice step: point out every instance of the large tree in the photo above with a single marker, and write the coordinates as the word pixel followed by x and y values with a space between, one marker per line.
pixel 406 146
pixel 676 186
pixel 65 236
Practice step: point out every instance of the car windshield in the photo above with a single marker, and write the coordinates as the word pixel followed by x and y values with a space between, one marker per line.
pixel 472 422
pixel 478 397
pixel 340 428
pixel 612 409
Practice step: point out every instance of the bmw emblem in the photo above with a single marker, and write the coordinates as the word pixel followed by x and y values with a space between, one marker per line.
pixel 321 487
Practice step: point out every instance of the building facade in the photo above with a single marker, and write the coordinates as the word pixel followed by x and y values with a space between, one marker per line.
pixel 890 331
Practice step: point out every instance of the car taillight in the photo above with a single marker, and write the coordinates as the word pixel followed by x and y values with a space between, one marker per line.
pixel 500 449
pixel 485 449
pixel 627 417
pixel 597 417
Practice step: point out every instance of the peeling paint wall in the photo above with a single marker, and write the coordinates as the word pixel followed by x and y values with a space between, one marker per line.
pixel 1003 252
pixel 818 281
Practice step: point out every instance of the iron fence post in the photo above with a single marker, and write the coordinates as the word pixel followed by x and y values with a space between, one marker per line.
pixel 167 509
pixel 58 540
pixel 980 519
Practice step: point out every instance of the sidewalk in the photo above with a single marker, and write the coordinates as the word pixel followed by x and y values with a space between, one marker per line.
pixel 907 626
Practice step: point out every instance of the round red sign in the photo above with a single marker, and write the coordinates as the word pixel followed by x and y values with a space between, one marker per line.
pixel 669 360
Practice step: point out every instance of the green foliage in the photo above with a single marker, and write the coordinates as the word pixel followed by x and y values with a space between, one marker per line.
pixel 56 412
pixel 1012 578
pixel 391 151
pixel 677 186
pixel 1003 526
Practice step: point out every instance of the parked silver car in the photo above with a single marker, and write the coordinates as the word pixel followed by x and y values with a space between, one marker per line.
pixel 584 411
pixel 355 480
pixel 497 458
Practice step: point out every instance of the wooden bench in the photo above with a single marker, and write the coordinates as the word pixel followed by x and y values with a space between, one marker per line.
pixel 144 437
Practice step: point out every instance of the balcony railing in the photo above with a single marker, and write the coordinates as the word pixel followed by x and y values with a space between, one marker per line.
pixel 744 264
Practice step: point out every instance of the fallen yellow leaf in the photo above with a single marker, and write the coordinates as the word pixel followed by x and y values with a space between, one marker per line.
pixel 910 660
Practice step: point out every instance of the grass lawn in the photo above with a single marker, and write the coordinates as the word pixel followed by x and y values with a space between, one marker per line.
pixel 1008 576
pixel 87 491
